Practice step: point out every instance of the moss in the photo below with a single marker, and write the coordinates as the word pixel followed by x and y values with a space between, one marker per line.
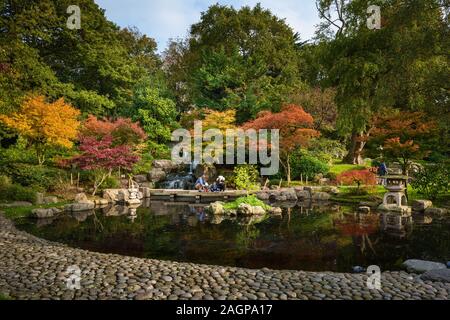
pixel 23 212
pixel 251 200
pixel 4 297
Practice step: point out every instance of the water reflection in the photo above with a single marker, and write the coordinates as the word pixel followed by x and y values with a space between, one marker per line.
pixel 306 237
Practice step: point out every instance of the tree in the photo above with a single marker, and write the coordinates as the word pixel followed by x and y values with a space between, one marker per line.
pixel 102 157
pixel 45 125
pixel 123 130
pixel 400 134
pixel 358 177
pixel 157 113
pixel 236 59
pixel 369 73
pixel 295 127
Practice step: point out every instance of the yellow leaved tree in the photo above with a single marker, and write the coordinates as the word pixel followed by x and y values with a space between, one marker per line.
pixel 44 124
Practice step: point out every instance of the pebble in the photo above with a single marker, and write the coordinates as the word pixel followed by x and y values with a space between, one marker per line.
pixel 33 268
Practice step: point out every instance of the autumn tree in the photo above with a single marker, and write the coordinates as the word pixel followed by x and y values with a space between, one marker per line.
pixel 358 177
pixel 123 130
pixel 44 125
pixel 402 135
pixel 295 127
pixel 102 157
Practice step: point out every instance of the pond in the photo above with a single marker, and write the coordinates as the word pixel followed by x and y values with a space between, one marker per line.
pixel 322 238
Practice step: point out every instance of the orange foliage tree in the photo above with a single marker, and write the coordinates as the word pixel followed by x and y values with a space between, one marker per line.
pixel 400 133
pixel 295 127
pixel 358 177
pixel 44 124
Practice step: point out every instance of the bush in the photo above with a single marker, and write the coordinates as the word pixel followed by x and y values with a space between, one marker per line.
pixel 16 192
pixel 246 177
pixel 29 175
pixel 303 164
pixel 432 180
pixel 326 150
pixel 358 177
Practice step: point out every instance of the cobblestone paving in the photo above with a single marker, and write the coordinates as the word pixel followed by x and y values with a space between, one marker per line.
pixel 33 268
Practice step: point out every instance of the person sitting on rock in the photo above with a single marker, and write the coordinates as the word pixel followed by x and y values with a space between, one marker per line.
pixel 201 184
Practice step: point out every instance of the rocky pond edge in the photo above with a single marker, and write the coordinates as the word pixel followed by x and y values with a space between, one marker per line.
pixel 34 268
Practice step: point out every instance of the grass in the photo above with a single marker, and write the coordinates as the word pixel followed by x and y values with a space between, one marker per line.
pixel 251 200
pixel 338 167
pixel 21 212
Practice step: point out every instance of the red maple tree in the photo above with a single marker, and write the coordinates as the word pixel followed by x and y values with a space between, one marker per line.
pixel 358 177
pixel 102 157
pixel 400 134
pixel 295 127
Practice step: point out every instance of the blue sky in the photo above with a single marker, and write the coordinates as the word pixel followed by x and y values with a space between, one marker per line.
pixel 166 19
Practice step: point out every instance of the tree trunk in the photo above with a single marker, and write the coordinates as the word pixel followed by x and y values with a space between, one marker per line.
pixel 355 150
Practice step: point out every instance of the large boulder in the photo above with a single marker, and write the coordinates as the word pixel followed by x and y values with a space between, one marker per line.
pixel 50 199
pixel 216 208
pixel 321 196
pixel 436 211
pixel 421 266
pixel 263 195
pixel 76 207
pixel 421 205
pixel 45 213
pixel 81 198
pixel 258 210
pixel 140 178
pixel 303 195
pixel 157 175
pixel 290 194
pixel 165 165
pixel 245 209
pixel 276 211
pixel 439 275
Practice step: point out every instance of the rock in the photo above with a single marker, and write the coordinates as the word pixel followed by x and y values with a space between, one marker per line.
pixel 321 196
pixel 216 208
pixel 290 194
pixel 39 198
pixel 276 211
pixel 421 205
pixel 370 204
pixel 394 208
pixel 81 198
pixel 165 165
pixel 303 195
pixel 258 210
pixel 84 206
pixel 101 202
pixel 439 275
pixel 421 266
pixel 436 211
pixel 16 204
pixel 331 189
pixel 157 175
pixel 140 178
pixel 45 213
pixel 364 209
pixel 50 199
pixel 263 195
pixel 245 209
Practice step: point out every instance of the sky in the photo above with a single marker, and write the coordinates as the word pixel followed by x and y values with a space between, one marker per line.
pixel 170 19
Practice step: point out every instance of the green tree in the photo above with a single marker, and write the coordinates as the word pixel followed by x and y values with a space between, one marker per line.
pixel 244 59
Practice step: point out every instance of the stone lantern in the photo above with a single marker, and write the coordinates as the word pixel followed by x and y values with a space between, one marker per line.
pixel 395 199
